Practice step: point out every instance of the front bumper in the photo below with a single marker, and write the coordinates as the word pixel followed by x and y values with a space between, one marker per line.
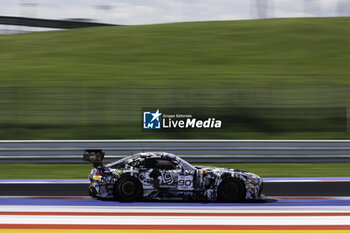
pixel 254 192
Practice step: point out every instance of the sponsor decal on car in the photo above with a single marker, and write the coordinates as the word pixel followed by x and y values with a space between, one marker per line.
pixel 185 183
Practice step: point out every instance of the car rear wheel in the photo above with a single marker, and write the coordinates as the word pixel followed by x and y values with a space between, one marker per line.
pixel 231 190
pixel 128 189
pixel 92 192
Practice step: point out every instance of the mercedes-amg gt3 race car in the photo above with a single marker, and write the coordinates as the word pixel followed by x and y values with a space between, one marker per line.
pixel 164 176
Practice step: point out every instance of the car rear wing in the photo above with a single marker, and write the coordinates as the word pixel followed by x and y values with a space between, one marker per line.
pixel 94 156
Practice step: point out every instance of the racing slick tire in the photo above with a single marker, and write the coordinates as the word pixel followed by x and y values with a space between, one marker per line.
pixel 92 192
pixel 231 190
pixel 128 188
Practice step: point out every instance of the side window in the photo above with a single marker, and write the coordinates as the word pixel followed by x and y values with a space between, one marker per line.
pixel 160 164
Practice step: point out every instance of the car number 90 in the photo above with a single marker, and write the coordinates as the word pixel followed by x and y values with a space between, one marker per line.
pixel 185 183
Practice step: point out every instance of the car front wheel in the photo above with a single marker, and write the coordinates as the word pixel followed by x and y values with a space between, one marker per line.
pixel 231 190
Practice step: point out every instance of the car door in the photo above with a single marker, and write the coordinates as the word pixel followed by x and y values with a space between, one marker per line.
pixel 164 173
pixel 169 179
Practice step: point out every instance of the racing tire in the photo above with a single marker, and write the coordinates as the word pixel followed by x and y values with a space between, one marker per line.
pixel 231 190
pixel 92 192
pixel 128 189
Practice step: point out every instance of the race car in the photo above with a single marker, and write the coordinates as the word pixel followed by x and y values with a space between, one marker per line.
pixel 165 176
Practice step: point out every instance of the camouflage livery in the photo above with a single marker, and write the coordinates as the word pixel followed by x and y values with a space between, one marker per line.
pixel 164 176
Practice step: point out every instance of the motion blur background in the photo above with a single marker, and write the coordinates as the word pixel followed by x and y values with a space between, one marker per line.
pixel 276 69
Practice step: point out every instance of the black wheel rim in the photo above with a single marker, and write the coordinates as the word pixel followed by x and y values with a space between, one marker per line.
pixel 231 190
pixel 128 188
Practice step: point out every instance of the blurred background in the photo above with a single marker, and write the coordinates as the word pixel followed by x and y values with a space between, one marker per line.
pixel 156 11
pixel 271 69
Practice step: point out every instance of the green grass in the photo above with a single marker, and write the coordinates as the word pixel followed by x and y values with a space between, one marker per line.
pixel 45 171
pixel 92 83
pixel 293 169
pixel 81 171
pixel 182 54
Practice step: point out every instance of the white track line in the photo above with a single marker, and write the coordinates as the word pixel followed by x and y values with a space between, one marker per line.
pixel 175 220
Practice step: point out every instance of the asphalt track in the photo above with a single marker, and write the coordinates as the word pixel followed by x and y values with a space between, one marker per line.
pixel 331 186
pixel 89 215
pixel 62 206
